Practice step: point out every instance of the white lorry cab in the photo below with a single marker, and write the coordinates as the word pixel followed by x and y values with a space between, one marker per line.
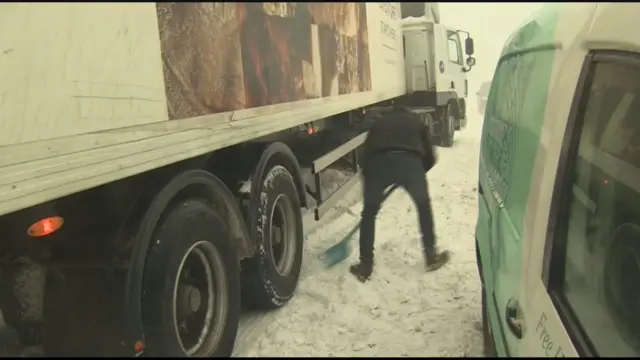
pixel 437 73
pixel 558 231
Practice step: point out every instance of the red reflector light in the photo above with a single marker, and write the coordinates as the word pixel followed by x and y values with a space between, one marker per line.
pixel 310 131
pixel 138 347
pixel 45 226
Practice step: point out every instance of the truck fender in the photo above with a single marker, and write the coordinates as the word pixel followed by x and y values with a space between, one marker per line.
pixel 208 186
pixel 444 97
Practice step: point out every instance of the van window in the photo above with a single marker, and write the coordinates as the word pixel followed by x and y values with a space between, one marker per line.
pixel 595 268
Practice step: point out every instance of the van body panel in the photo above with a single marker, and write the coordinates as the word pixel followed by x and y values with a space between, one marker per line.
pixel 513 167
pixel 556 195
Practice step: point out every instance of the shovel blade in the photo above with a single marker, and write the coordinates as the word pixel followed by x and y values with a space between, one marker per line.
pixel 337 253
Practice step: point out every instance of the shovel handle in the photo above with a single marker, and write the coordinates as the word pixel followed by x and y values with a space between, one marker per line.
pixel 357 226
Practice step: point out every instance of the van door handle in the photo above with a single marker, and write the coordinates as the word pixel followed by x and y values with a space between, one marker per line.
pixel 513 317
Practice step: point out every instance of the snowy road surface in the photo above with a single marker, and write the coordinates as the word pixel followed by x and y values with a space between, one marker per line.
pixel 402 311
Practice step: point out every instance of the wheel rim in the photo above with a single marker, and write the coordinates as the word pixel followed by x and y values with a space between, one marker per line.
pixel 200 300
pixel 283 234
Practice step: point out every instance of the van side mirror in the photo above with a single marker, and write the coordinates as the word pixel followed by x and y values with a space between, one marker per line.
pixel 468 46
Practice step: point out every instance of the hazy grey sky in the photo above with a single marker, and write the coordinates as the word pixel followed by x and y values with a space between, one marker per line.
pixel 490 24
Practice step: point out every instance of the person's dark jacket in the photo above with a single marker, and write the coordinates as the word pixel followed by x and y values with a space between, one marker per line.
pixel 398 129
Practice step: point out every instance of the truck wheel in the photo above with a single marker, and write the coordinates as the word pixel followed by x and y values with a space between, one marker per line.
pixel 489 347
pixel 270 277
pixel 448 127
pixel 191 301
pixel 20 283
pixel 462 123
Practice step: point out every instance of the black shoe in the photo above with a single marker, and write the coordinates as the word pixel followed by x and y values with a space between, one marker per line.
pixel 362 270
pixel 436 259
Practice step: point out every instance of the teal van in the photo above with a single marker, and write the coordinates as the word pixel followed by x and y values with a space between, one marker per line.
pixel 558 231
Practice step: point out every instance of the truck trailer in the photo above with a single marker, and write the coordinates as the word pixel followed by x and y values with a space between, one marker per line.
pixel 152 156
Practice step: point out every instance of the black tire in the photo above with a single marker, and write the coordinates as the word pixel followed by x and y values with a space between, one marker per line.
pixel 462 116
pixel 463 123
pixel 448 127
pixel 13 309
pixel 191 233
pixel 489 345
pixel 265 286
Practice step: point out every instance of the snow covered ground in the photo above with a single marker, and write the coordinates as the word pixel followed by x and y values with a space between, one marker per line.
pixel 402 311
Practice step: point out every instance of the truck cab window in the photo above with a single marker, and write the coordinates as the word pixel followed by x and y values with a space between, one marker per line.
pixel 595 268
pixel 453 42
